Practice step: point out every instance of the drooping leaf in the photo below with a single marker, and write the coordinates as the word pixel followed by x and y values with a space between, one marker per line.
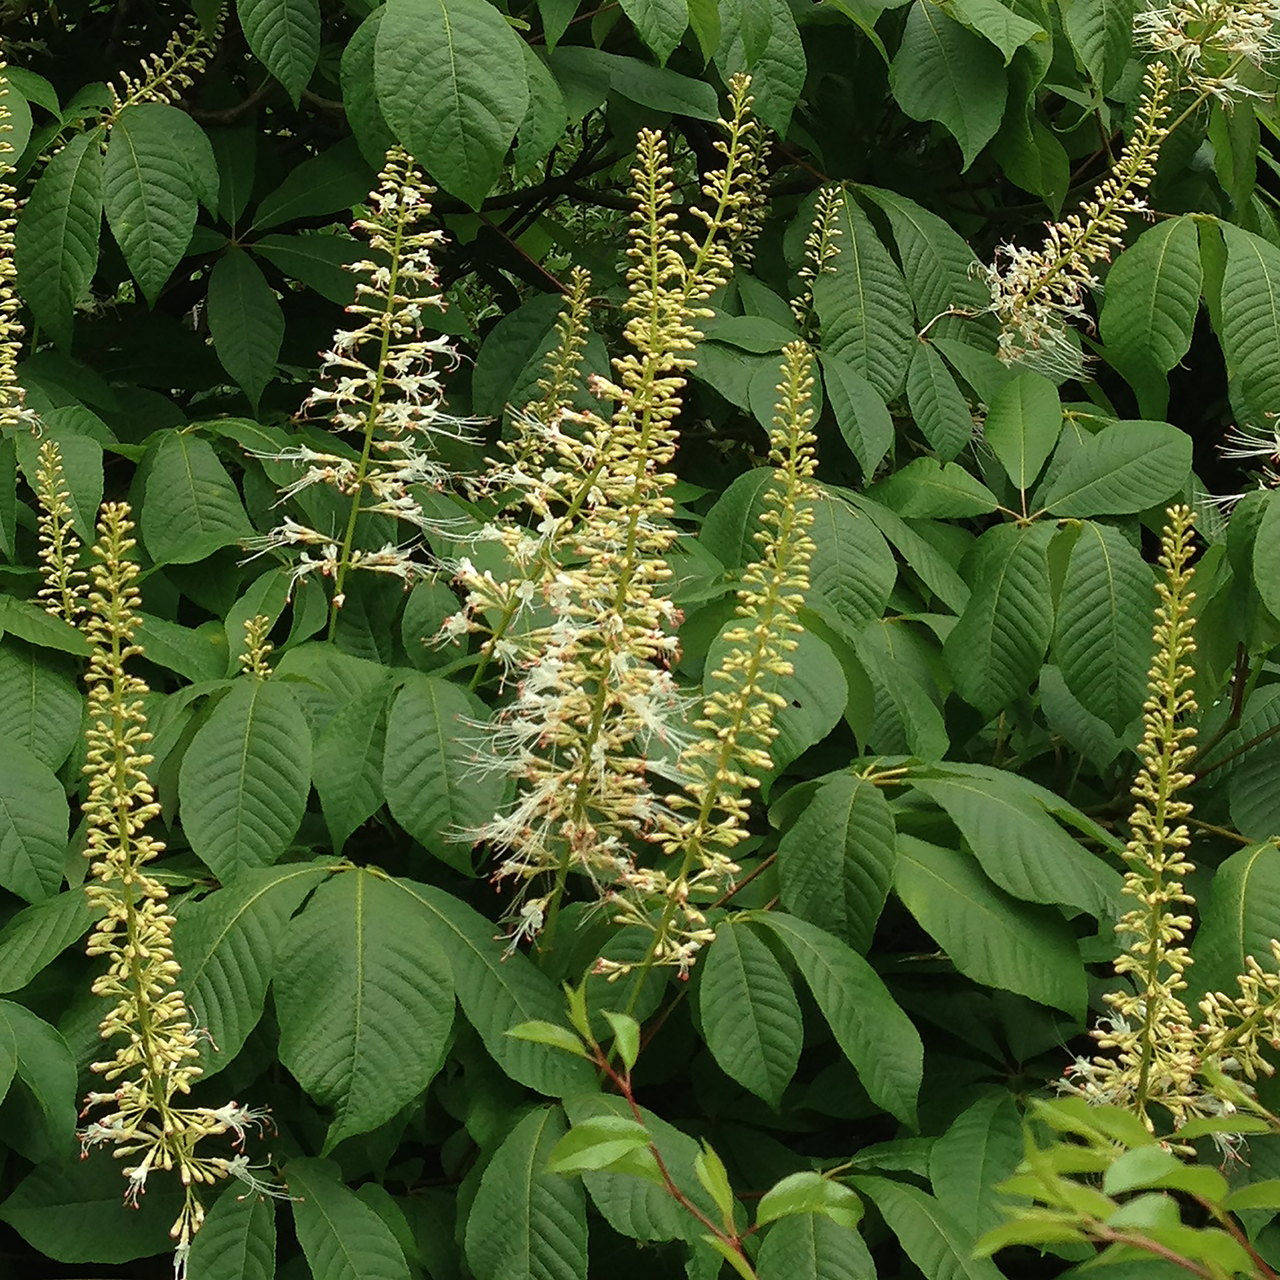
pixel 285 37
pixel 990 936
pixel 330 182
pixel 39 933
pixel 749 1013
pixel 245 778
pixel 33 824
pixel 874 1033
pixel 524 1221
pixel 1103 640
pixel 342 1238
pixel 861 413
pixel 451 83
pixel 659 23
pixel 192 507
pixel 835 863
pixel 237 1240
pixel 317 260
pixel 227 945
pixel 56 250
pixel 246 322
pixel 364 995
pixel 545 117
pixel 1007 30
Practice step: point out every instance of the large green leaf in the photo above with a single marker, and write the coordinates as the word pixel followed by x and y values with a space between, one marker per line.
pixel 1101 32
pixel 932 1238
pixel 982 1147
pixel 659 23
pixel 809 1246
pixel 929 489
pixel 1250 323
pixel 237 1240
pixel 1103 642
pixel 1266 553
pixel 40 706
pixel 864 306
pixel 946 73
pixel 364 995
pixel 285 37
pixel 451 83
pixel 525 1223
pixel 244 781
pixel 227 945
pixel 990 936
pixel 148 193
pixel 1240 919
pixel 37 934
pixel 874 1033
pixel 33 824
pixel 1127 467
pixel 499 989
pixel 1022 427
pixel 750 1016
pixel 40 1121
pixel 192 507
pixel 1153 295
pixel 1251 790
pixel 342 1238
pixel 1005 29
pixel 330 182
pixel 861 413
pixel 922 558
pixel 319 261
pixel 936 404
pixel 995 650
pixel 430 768
pixel 778 70
pixel 56 249
pixel 835 863
pixel 246 322
pixel 851 565
pixel 1021 848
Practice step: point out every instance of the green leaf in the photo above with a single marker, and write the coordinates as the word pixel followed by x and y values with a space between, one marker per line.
pixel 661 24
pixel 982 1147
pixel 33 824
pixel 851 565
pixel 597 1143
pixel 246 322
pixel 148 193
pixel 933 569
pixel 364 995
pixel 874 1033
pixel 38 934
pixel 1266 554
pixel 990 937
pixel 342 1238
pixel 750 1016
pixel 359 90
pixel 996 648
pixel 1153 296
pixel 864 307
pixel 317 260
pixel 451 83
pixel 812 1247
pixel 1101 33
pixel 930 1235
pixel 1240 918
pixel 284 36
pixel 40 706
pixel 1005 29
pixel 499 989
pixel 936 404
pixel 526 1223
pixel 70 429
pixel 1022 427
pixel 714 1178
pixel 27 621
pixel 944 72
pixel 861 413
pixel 1250 324
pixel 545 117
pixel 778 70
pixel 1259 1195
pixel 1103 640
pixel 245 778
pixel 809 1192
pixel 835 863
pixel 56 241
pixel 228 944
pixel 40 1117
pixel 196 654
pixel 430 768
pixel 626 1036
pixel 927 488
pixel 192 507
pixel 237 1240
pixel 1021 848
pixel 331 182
pixel 1155 1167
pixel 552 1034
pixel 1127 467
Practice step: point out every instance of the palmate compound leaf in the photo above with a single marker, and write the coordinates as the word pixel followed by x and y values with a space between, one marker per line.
pixel 245 778
pixel 525 1223
pixel 750 1015
pixel 237 1240
pixel 990 936
pixel 227 945
pixel 364 996
pixel 342 1238
pixel 452 85
pixel 870 1028
pixel 499 991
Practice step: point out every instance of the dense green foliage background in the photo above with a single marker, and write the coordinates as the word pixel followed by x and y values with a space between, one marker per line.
pixel 922 950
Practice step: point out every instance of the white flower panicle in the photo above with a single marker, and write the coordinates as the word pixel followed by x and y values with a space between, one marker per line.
pixel 1209 41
